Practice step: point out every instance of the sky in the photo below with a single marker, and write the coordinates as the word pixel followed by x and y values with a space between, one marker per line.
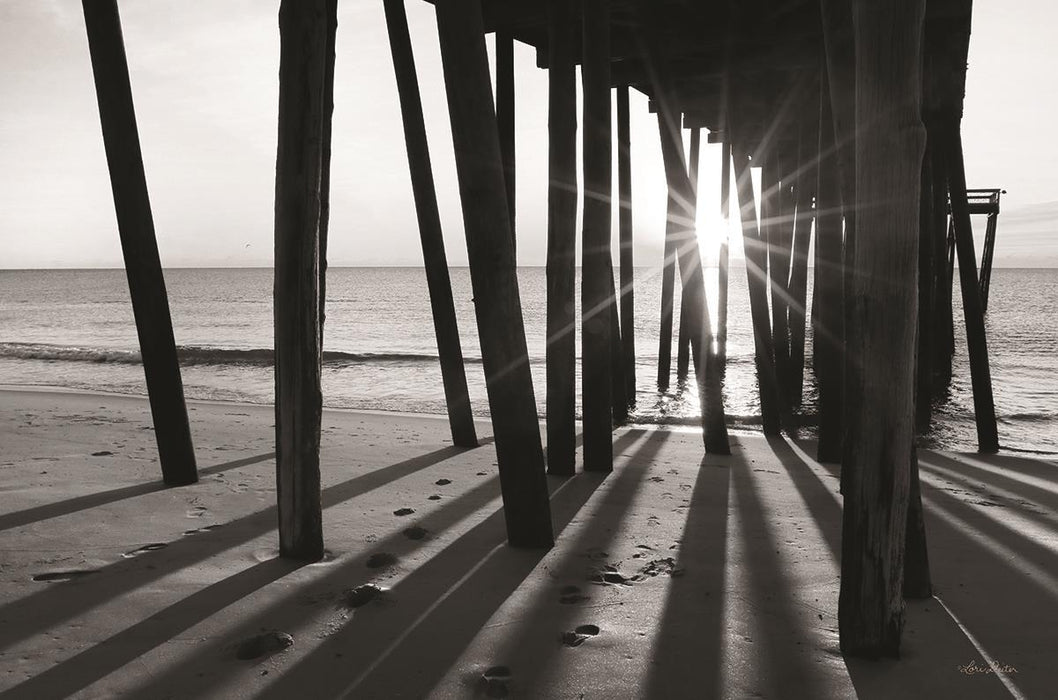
pixel 204 79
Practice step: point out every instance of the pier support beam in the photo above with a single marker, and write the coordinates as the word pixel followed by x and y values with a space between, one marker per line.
pixel 450 353
pixel 804 196
pixel 828 317
pixel 627 261
pixel 973 308
pixel 490 250
pixel 596 272
pixel 303 33
pixel 723 264
pixel 505 118
pixel 684 342
pixel 890 141
pixel 139 247
pixel 561 238
pixel 756 274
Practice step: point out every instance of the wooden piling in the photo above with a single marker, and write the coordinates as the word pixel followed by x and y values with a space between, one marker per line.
pixel 924 353
pixel 756 273
pixel 980 374
pixel 917 581
pixel 683 345
pixel 890 141
pixel 942 321
pixel 446 330
pixel 692 277
pixel 303 29
pixel 561 237
pixel 723 264
pixel 505 118
pixel 804 195
pixel 139 246
pixel 828 317
pixel 325 155
pixel 619 402
pixel 479 170
pixel 627 260
pixel 596 285
pixel 780 243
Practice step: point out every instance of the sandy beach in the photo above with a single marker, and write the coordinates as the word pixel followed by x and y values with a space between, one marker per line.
pixel 673 577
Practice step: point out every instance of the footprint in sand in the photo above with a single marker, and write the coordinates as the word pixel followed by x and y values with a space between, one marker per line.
pixel 262 644
pixel 579 635
pixel 414 532
pixel 434 497
pixel 361 595
pixel 403 511
pixel 196 512
pixel 494 681
pixel 70 575
pixel 610 575
pixel 379 560
pixel 102 453
pixel 571 595
pixel 145 548
pixel 443 482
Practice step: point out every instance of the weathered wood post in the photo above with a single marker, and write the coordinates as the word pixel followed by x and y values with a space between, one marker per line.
pixel 561 237
pixel 828 317
pixel 446 330
pixel 596 285
pixel 683 345
pixel 490 249
pixel 139 247
pixel 325 156
pixel 804 194
pixel 973 309
pixel 723 259
pixel 756 266
pixel 692 278
pixel 505 117
pixel 780 253
pixel 619 402
pixel 924 353
pixel 890 142
pixel 627 260
pixel 303 33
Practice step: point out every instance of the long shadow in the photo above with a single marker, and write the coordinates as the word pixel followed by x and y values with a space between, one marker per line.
pixel 1035 494
pixel 687 659
pixel 58 602
pixel 528 644
pixel 404 650
pixel 87 667
pixel 815 493
pixel 987 493
pixel 787 647
pixel 92 500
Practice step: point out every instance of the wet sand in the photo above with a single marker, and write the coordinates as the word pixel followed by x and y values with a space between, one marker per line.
pixel 673 577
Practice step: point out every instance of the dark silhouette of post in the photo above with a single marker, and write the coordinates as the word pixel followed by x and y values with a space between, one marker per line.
pixel 890 141
pixel 973 308
pixel 627 261
pixel 490 248
pixel 724 256
pixel 596 284
pixel 561 237
pixel 450 354
pixel 804 196
pixel 325 157
pixel 828 318
pixel 683 345
pixel 756 266
pixel 303 33
pixel 139 247
pixel 505 117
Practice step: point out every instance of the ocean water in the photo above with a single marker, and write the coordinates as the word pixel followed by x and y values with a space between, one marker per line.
pixel 74 329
